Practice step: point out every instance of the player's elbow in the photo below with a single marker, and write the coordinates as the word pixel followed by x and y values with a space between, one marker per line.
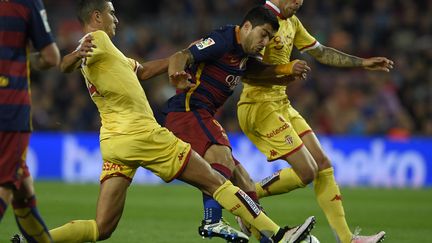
pixel 50 56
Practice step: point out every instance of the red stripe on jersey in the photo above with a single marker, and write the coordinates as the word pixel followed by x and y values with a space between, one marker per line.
pixel 11 68
pixel 308 46
pixel 14 97
pixel 10 9
pixel 12 39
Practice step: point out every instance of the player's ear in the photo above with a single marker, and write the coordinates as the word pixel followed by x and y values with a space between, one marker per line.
pixel 97 16
pixel 247 25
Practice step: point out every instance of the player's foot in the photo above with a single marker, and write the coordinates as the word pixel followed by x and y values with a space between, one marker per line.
pixel 17 238
pixel 223 230
pixel 367 239
pixel 298 233
pixel 245 227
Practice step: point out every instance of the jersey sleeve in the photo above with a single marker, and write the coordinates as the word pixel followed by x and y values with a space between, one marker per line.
pixel 134 64
pixel 101 40
pixel 303 40
pixel 210 48
pixel 40 31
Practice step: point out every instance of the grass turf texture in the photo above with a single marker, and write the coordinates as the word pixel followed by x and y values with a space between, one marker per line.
pixel 172 213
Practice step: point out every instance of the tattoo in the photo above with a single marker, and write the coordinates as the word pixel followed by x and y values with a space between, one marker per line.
pixel 333 57
pixel 190 58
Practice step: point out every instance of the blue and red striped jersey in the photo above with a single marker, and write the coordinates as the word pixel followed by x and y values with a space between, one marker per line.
pixel 219 64
pixel 21 21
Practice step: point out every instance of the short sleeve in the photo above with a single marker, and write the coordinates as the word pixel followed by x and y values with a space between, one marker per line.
pixel 303 40
pixel 210 48
pixel 134 64
pixel 40 31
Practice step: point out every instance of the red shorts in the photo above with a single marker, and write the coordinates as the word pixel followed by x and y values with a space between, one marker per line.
pixel 13 151
pixel 199 128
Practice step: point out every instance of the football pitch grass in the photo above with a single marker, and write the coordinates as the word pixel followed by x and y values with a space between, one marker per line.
pixel 172 213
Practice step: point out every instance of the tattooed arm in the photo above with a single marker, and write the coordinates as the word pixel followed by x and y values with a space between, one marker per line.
pixel 332 57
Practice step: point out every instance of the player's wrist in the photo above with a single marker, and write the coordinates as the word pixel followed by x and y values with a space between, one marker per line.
pixel 285 69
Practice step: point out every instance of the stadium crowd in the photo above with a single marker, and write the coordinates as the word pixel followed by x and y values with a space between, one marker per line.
pixel 333 101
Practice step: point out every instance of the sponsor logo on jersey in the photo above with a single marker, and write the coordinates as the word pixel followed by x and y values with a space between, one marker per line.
pixel 278 130
pixel 108 166
pixel 289 140
pixel 4 81
pixel 337 198
pixel 205 43
pixel 273 153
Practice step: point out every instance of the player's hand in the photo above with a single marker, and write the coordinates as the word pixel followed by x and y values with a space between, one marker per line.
pixel 86 47
pixel 296 67
pixel 378 64
pixel 181 80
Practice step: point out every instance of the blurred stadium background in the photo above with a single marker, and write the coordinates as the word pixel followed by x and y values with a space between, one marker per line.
pixel 376 127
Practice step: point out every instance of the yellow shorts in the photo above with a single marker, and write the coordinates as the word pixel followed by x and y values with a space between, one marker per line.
pixel 158 151
pixel 275 127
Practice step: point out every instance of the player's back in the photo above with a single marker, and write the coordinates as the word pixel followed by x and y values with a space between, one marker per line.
pixel 114 87
pixel 220 63
pixel 21 21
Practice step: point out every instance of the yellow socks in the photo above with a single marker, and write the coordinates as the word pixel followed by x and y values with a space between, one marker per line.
pixel 281 182
pixel 29 222
pixel 240 204
pixel 330 200
pixel 76 231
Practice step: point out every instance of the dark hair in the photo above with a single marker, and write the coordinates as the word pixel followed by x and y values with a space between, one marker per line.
pixel 86 8
pixel 261 15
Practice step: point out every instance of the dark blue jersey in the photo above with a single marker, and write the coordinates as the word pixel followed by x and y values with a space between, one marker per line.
pixel 21 21
pixel 219 64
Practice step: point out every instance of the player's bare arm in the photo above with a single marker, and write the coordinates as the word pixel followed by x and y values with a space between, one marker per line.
pixel 176 69
pixel 153 68
pixel 48 57
pixel 333 57
pixel 257 72
pixel 73 60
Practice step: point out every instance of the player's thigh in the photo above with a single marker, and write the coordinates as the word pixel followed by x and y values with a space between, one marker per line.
pixel 270 129
pixel 198 173
pixel 13 152
pixel 220 154
pixel 313 145
pixel 110 204
pixel 158 151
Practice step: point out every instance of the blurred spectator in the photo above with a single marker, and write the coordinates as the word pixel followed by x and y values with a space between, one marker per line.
pixel 334 101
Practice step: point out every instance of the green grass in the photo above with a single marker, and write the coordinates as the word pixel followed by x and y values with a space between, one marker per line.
pixel 171 213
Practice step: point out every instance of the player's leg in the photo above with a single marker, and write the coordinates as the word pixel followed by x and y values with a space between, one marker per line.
pixel 329 196
pixel 16 179
pixel 5 197
pixel 26 213
pixel 109 210
pixel 200 174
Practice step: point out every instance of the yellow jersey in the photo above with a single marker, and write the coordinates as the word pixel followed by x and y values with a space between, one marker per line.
pixel 291 33
pixel 115 89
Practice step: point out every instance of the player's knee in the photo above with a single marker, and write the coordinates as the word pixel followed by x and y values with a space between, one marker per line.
pixel 308 175
pixel 105 230
pixel 323 162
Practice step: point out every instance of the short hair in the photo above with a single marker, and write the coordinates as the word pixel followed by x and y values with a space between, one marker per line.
pixel 261 15
pixel 86 8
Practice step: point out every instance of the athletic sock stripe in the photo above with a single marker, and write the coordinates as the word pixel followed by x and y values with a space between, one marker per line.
pixel 267 182
pixel 243 197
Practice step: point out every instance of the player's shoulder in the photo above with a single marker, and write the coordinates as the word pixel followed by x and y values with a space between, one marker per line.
pixel 225 33
pixel 99 34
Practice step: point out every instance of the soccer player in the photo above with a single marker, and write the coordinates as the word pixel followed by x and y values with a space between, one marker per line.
pixel 216 65
pixel 21 22
pixel 280 132
pixel 130 137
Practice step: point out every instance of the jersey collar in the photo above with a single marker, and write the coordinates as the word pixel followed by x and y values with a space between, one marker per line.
pixel 274 9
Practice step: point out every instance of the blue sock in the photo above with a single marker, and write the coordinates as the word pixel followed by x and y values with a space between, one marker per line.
pixel 212 210
pixel 3 207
